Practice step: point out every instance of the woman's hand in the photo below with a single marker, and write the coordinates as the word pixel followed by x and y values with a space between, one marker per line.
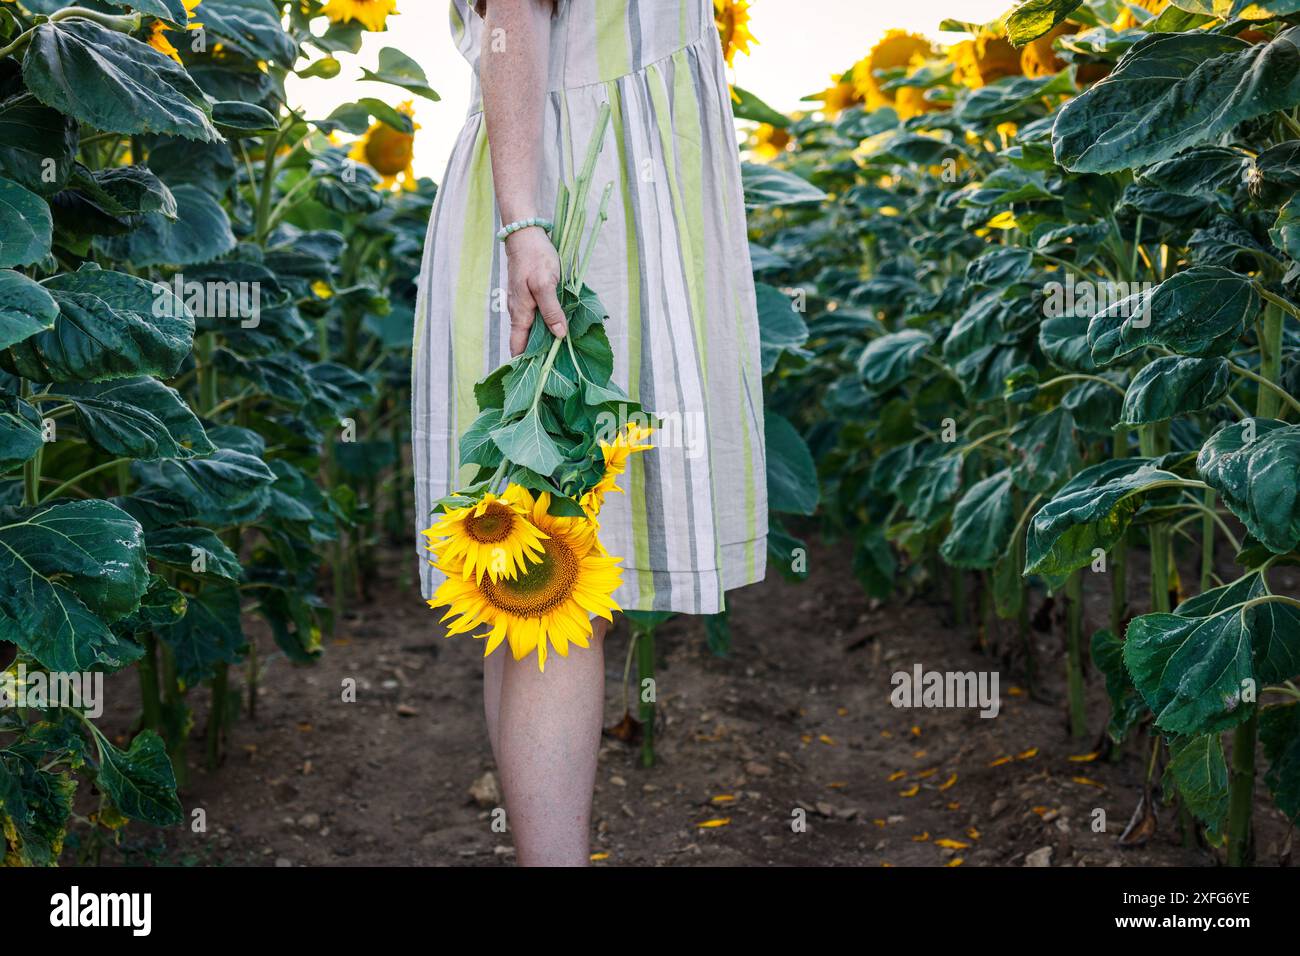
pixel 533 270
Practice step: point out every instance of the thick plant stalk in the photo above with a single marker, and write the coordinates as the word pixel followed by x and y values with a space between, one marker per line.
pixel 1119 556
pixel 1241 798
pixel 150 701
pixel 217 715
pixel 1074 655
pixel 1207 541
pixel 1241 789
pixel 645 668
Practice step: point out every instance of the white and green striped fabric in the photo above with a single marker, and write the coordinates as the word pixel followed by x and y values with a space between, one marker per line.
pixel 672 268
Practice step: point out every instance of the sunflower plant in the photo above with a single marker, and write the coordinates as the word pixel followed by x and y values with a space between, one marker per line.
pixel 556 430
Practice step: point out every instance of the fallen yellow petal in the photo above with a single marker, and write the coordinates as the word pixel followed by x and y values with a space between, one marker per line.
pixel 1027 754
pixel 597 857
pixel 1088 782
pixel 921 837
pixel 955 861
pixel 1000 761
pixel 1084 758
pixel 947 784
pixel 911 791
pixel 718 822
pixel 897 775
pixel 952 844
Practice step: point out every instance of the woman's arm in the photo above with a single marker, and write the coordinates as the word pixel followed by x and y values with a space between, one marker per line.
pixel 513 71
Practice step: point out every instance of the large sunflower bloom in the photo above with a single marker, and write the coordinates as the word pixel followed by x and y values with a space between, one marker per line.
pixel 732 20
pixel 1038 58
pixel 897 48
pixel 371 14
pixel 984 59
pixel 389 151
pixel 495 537
pixel 549 606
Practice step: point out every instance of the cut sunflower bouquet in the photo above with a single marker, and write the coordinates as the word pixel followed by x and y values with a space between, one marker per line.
pixel 520 545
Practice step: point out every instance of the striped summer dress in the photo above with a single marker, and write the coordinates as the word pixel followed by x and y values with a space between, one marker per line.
pixel 672 268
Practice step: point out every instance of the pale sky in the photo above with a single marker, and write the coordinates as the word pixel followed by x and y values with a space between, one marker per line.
pixel 800 44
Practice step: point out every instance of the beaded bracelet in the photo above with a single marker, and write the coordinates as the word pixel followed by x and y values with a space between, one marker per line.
pixel 524 224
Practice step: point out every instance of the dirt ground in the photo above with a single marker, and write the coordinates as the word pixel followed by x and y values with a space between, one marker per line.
pixel 795 726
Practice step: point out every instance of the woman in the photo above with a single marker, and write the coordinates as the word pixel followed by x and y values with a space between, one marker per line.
pixel 672 268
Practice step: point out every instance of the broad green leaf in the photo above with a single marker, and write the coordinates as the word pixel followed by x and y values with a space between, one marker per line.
pixel 238 120
pixel 1064 340
pixel 1286 231
pixel 750 107
pixel 1193 667
pixel 20 433
pixel 1279 733
pixel 34 809
pixel 137 418
pixel 140 781
pixel 527 443
pixel 115 83
pixel 1198 770
pixel 250 26
pixel 937 484
pixel 1171 91
pixel 228 487
pixel 1044 451
pixel 1126 704
pixel 199 233
pixel 1255 466
pixel 1200 171
pixel 67 570
pixel 476 445
pixel 890 359
pixel 792 485
pixel 25 308
pixel 981 524
pixel 1092 510
pixel 398 69
pixel 769 186
pixel 1201 311
pixel 521 386
pixel 26 227
pixel 193 549
pixel 999 266
pixel 38 145
pixel 1034 18
pixel 210 633
pixel 780 327
pixel 110 325
pixel 1173 385
pixel 172 11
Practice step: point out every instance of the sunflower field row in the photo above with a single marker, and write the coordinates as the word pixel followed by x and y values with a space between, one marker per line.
pixel 206 297
pixel 1052 302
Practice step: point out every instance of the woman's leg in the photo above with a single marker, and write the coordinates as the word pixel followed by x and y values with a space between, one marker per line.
pixel 493 672
pixel 548 733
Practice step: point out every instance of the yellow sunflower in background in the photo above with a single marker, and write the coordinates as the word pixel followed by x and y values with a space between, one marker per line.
pixel 158 32
pixel 548 607
pixel 371 14
pixel 839 96
pixel 495 537
pixel 770 141
pixel 984 59
pixel 389 151
pixel 1037 58
pixel 1127 19
pixel 897 48
pixel 732 20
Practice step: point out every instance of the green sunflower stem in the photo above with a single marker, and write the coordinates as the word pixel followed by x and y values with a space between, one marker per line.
pixel 1074 657
pixel 645 667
